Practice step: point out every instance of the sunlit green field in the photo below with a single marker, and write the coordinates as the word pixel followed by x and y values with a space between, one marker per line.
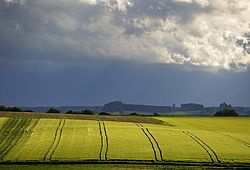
pixel 226 138
pixel 179 140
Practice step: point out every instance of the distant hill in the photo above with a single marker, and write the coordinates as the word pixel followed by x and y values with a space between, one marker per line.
pixel 64 109
pixel 120 108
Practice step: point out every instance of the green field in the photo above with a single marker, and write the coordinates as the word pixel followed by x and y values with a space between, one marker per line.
pixel 196 141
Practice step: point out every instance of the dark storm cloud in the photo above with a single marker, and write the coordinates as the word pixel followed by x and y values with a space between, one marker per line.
pixel 74 52
pixel 30 32
pixel 130 83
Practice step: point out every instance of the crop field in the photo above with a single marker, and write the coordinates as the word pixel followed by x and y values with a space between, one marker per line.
pixel 226 140
pixel 201 141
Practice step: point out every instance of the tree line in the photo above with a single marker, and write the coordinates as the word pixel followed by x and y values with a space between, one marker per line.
pixel 225 112
pixel 13 109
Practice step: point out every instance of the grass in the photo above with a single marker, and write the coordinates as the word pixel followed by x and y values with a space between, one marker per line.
pixel 210 141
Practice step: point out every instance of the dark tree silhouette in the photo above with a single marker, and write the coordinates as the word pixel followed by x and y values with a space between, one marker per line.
pixel 87 112
pixel 53 110
pixel 226 112
pixel 134 114
pixel 104 113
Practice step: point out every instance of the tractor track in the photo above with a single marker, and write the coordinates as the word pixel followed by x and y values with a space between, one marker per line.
pixel 101 147
pixel 240 140
pixel 213 156
pixel 103 154
pixel 155 147
pixel 157 144
pixel 56 141
pixel 59 139
pixel 107 141
pixel 235 138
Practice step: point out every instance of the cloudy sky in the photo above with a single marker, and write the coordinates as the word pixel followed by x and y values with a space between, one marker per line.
pixel 89 52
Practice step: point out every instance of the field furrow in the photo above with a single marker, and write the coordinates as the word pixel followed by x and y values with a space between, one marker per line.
pixel 157 144
pixel 238 139
pixel 175 145
pixel 154 144
pixel 9 128
pixel 227 148
pixel 228 137
pixel 6 130
pixel 80 141
pixel 84 141
pixel 127 142
pixel 208 149
pixel 56 141
pixel 2 122
pixel 14 152
pixel 11 135
pixel 106 143
pixel 102 141
pixel 39 142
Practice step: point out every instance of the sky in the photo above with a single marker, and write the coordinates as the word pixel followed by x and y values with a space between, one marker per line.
pixel 90 52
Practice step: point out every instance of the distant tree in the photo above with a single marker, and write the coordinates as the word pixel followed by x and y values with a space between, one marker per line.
pixel 134 114
pixel 3 108
pixel 104 113
pixel 156 114
pixel 70 112
pixel 226 112
pixel 87 112
pixel 14 109
pixel 28 111
pixel 53 110
pixel 248 112
pixel 11 109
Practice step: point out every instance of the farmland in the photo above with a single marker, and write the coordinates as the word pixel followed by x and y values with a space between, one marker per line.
pixel 193 141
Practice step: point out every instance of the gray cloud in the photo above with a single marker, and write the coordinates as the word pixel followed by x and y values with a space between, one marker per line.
pixel 203 33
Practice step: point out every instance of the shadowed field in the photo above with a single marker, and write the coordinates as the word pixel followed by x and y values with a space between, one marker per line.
pixel 36 115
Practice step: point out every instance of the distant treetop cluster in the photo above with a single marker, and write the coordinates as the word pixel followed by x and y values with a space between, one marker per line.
pixel 13 109
pixel 226 112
